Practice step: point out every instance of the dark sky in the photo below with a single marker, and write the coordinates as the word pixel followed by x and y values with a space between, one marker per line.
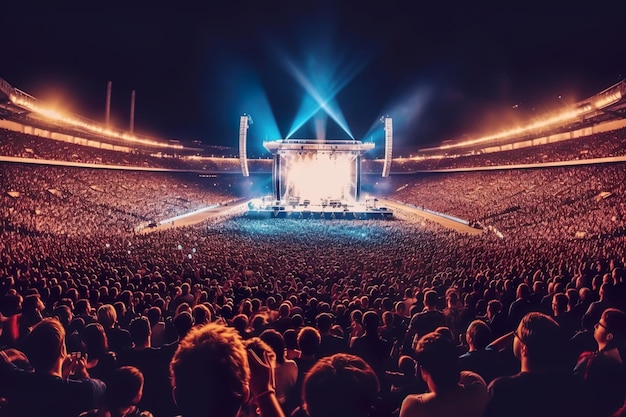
pixel 441 69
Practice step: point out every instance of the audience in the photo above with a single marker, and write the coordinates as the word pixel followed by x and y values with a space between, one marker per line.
pixel 319 291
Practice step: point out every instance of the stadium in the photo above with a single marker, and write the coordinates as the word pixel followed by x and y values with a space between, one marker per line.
pixel 529 220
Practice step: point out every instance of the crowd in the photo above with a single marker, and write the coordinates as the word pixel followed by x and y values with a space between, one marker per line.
pixel 70 201
pixel 314 318
pixel 555 203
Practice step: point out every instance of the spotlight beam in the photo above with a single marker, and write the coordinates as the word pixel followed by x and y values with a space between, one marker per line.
pixel 328 103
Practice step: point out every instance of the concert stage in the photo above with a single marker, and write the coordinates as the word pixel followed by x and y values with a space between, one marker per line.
pixel 334 212
pixel 316 179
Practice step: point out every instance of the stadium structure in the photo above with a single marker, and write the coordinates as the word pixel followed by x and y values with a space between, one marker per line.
pixel 314 178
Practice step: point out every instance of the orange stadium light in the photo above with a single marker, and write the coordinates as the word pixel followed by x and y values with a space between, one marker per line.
pixel 559 118
pixel 33 105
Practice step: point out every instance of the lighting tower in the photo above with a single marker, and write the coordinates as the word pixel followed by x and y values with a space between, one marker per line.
pixel 388 144
pixel 244 122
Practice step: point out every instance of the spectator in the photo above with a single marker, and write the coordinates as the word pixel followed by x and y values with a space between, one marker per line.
pixel 340 385
pixel 211 375
pixel 604 372
pixel 330 344
pixel 480 358
pixel 496 319
pixel 153 364
pixel 542 388
pixel 371 347
pixel 308 342
pixel 59 386
pixel 118 338
pixel 425 321
pixel 567 322
pixel 452 393
pixel 122 396
pixel 521 306
pixel 286 370
pixel 291 342
pixel 157 327
pixel 101 362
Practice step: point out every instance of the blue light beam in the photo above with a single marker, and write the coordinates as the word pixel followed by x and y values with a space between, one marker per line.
pixel 325 102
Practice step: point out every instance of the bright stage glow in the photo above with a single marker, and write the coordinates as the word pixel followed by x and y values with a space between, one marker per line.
pixel 318 177
pixel 255 203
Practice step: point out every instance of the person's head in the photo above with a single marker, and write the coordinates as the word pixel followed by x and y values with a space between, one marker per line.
pixel 45 345
pixel 606 292
pixel 356 316
pixel 493 307
pixel 400 308
pixel 538 342
pixel 276 342
pixel 291 339
pixel 185 288
pixel 95 339
pixel 324 322
pixel 210 372
pixel 407 365
pixel 340 385
pixel 201 314
pixel 183 323
pixel 610 330
pixel 284 310
pixel 240 323
pixel 431 299
pixel 559 303
pixel 309 340
pixel 572 297
pixel 120 308
pixel 437 358
pixel 140 331
pixel 446 332
pixel 154 315
pixel 63 314
pixel 83 307
pixel 370 322
pixel 182 308
pixel 124 389
pixel 107 316
pixel 523 291
pixel 478 335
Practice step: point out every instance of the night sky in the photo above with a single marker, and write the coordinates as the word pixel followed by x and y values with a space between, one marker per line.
pixel 442 69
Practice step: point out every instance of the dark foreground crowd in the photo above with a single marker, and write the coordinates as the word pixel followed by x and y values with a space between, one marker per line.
pixel 74 346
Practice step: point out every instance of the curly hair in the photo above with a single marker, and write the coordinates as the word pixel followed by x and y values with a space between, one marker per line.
pixel 210 372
